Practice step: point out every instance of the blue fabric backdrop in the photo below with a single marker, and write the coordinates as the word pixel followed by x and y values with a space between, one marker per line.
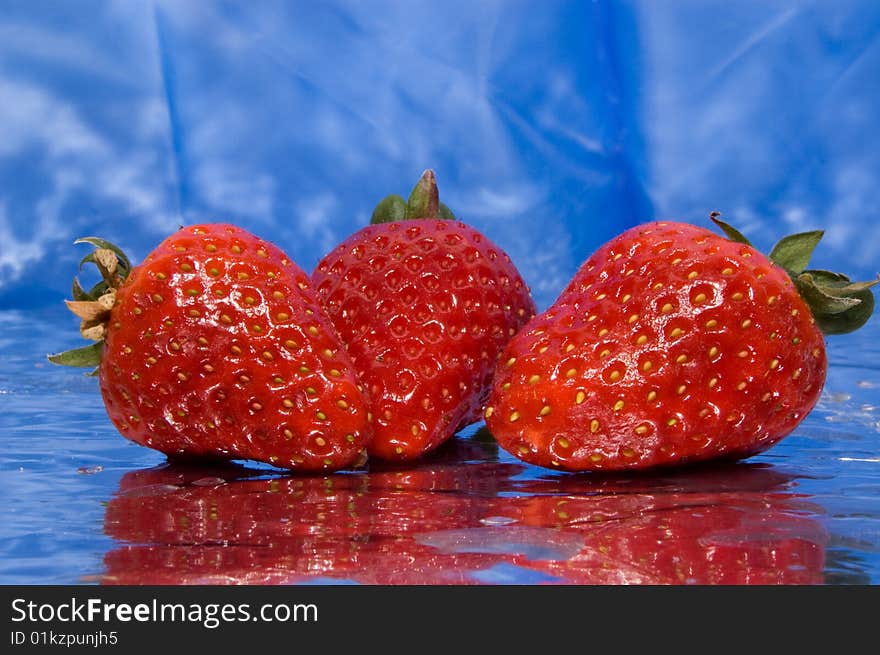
pixel 551 125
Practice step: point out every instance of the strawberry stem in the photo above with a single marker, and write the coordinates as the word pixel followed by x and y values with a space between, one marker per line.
pixel 392 208
pixel 839 305
pixel 732 233
pixel 423 203
pixel 93 307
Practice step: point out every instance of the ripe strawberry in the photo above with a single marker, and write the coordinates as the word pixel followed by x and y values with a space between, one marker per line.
pixel 216 346
pixel 425 305
pixel 672 344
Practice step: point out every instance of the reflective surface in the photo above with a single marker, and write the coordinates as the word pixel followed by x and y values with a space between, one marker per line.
pixel 449 522
pixel 83 505
pixel 552 126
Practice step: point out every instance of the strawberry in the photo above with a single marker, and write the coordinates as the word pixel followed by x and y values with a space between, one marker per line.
pixel 673 344
pixel 216 347
pixel 425 304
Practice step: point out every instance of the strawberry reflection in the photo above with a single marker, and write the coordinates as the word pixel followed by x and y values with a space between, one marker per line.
pixel 736 524
pixel 212 525
pixel 700 539
pixel 457 517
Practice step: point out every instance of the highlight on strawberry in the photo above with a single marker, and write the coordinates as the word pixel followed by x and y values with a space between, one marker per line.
pixel 673 344
pixel 425 303
pixel 217 347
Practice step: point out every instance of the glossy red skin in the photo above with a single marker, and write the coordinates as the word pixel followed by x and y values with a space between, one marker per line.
pixel 613 317
pixel 217 374
pixel 425 307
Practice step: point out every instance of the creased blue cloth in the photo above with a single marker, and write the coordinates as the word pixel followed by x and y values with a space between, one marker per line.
pixel 551 126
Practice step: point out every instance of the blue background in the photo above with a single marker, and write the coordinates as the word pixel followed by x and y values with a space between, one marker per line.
pixel 551 125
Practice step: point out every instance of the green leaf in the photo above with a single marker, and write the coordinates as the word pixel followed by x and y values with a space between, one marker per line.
pixel 794 251
pixel 838 305
pixel 820 300
pixel 88 259
pixel 424 201
pixel 732 233
pixel 446 213
pixel 87 356
pixel 92 294
pixel 392 208
pixel 78 293
pixel 848 321
pixel 838 283
pixel 98 290
pixel 827 277
pixel 122 270
pixel 98 242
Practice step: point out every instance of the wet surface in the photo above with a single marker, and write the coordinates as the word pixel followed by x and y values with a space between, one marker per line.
pixel 84 506
pixel 292 120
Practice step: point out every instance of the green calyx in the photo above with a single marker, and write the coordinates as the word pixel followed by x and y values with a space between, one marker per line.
pixel 85 357
pixel 423 202
pixel 93 306
pixel 838 304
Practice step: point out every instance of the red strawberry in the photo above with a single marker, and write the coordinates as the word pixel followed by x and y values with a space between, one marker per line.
pixel 425 306
pixel 672 344
pixel 216 346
